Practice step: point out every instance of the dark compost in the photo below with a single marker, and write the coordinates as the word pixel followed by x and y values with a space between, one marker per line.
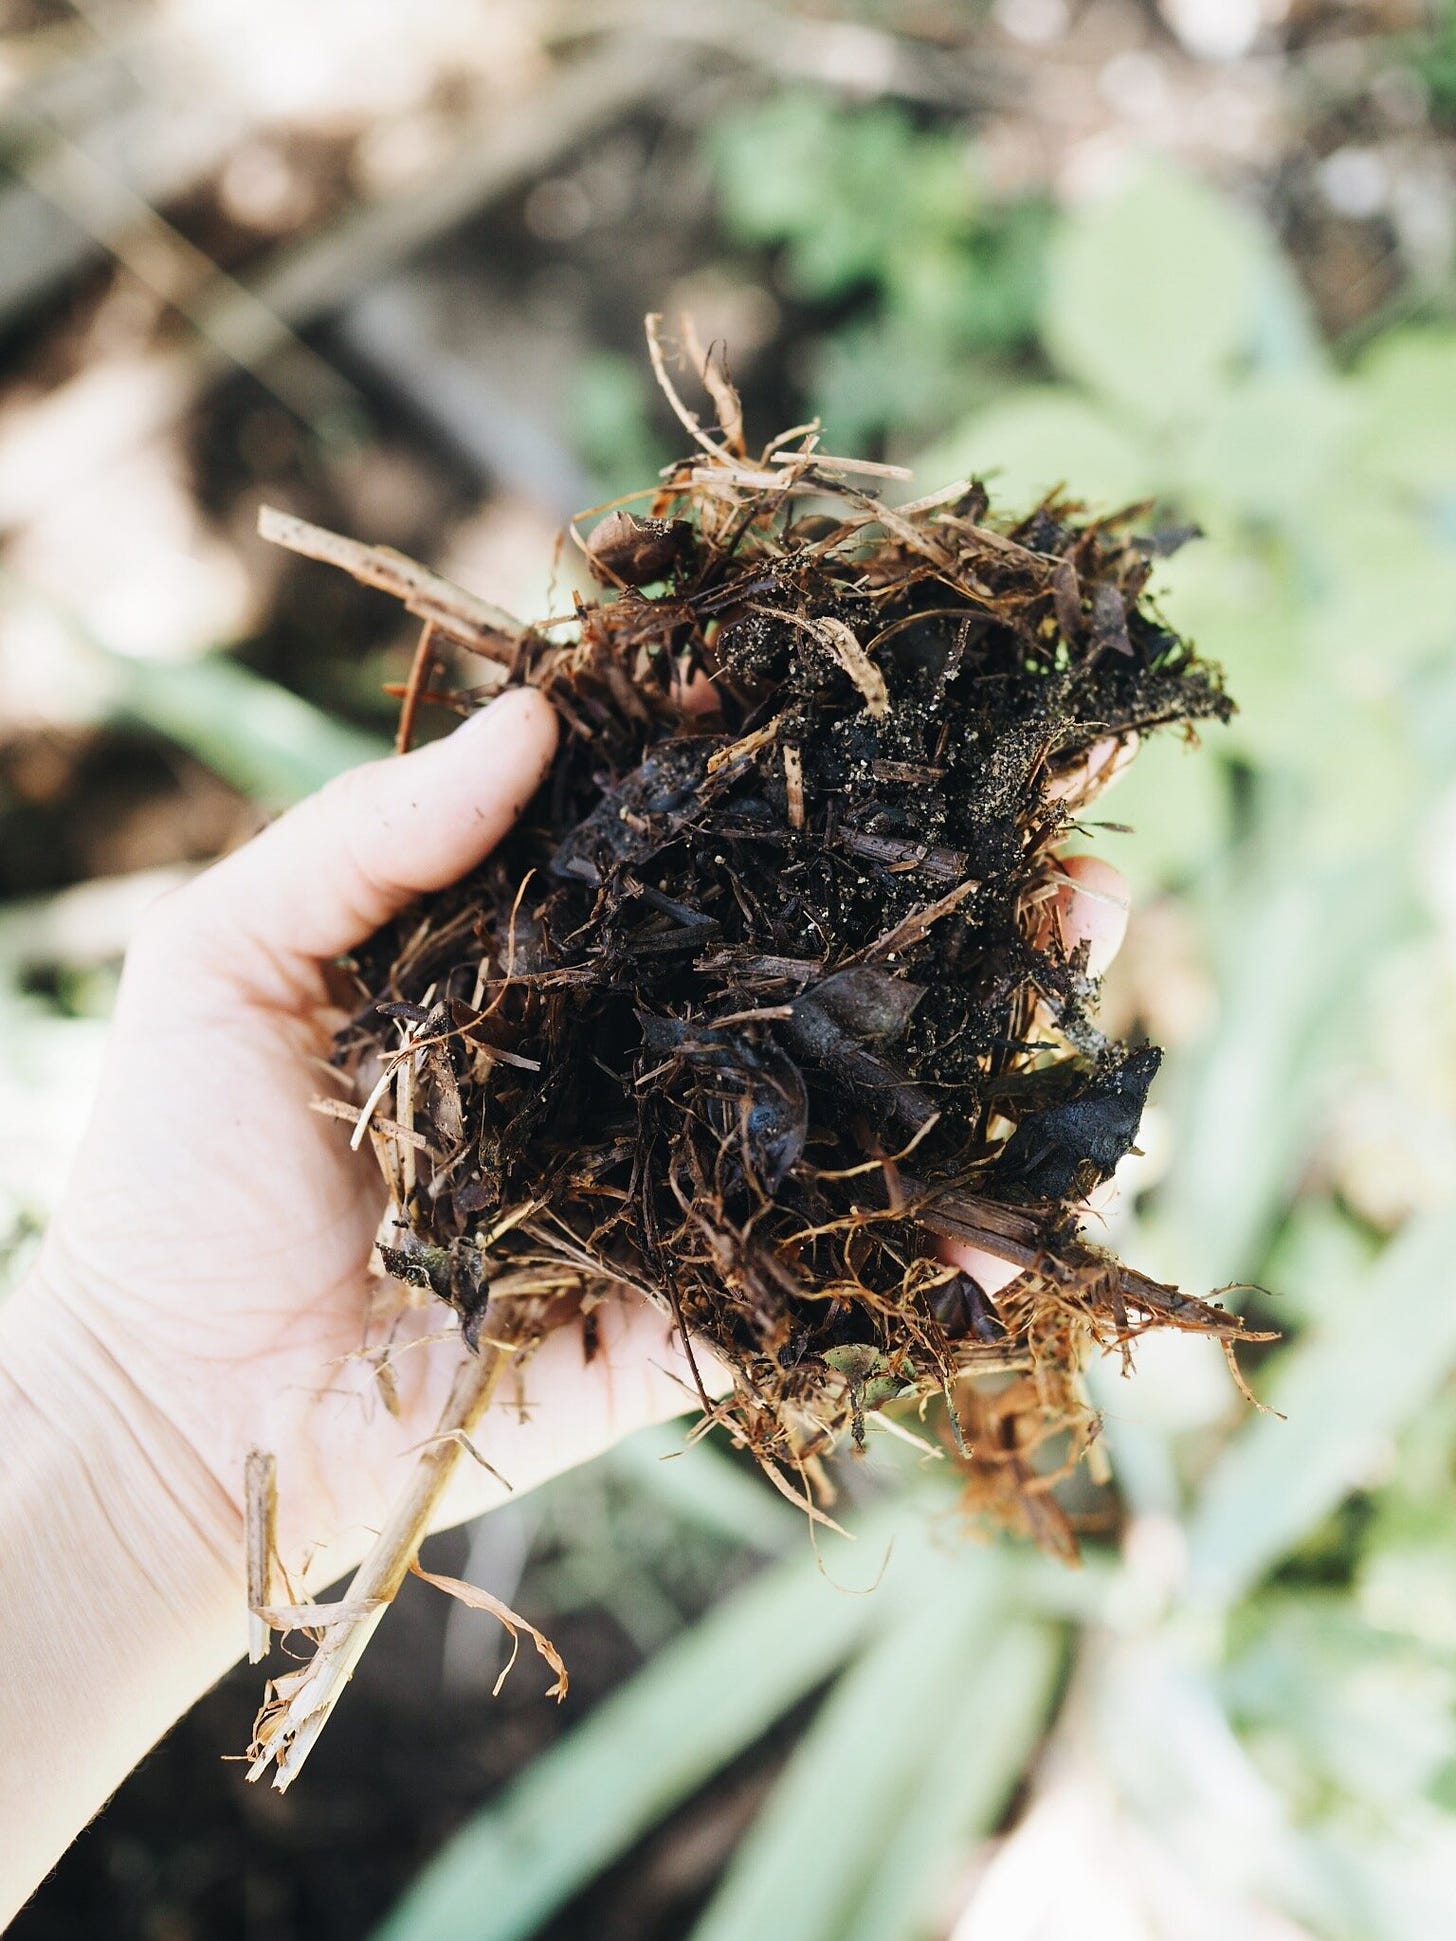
pixel 765 997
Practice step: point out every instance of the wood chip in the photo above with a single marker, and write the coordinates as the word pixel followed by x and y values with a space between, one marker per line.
pixel 354 1116
pixel 743 750
pixel 844 644
pixel 794 785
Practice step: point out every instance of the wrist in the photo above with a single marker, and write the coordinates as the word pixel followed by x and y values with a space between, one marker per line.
pixel 93 1432
pixel 121 1599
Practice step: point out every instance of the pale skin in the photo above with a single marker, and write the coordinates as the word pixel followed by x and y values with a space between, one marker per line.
pixel 206 1288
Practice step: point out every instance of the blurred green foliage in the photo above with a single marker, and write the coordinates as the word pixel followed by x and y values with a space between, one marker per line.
pixel 886 230
pixel 1431 56
pixel 611 403
pixel 1306 1623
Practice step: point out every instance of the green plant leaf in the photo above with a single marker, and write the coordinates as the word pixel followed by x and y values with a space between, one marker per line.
pixel 1241 597
pixel 1151 296
pixel 611 422
pixel 1318 1246
pixel 1406 385
pixel 768 164
pixel 269 743
pixel 1291 934
pixel 266 741
pixel 855 197
pixel 1041 437
pixel 847 1782
pixel 877 373
pixel 1385 588
pixel 976 1751
pixel 1364 1710
pixel 702 1484
pixel 701 1701
pixel 1268 445
pixel 1380 1349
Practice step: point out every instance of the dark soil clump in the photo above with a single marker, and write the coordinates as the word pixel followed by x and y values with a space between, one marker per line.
pixel 763 996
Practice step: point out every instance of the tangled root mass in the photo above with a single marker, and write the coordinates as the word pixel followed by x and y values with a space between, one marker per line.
pixel 764 997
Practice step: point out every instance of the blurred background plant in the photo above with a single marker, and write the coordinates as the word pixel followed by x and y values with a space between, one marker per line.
pixel 392 276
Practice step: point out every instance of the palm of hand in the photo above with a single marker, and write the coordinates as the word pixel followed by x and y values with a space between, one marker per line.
pixel 217 1235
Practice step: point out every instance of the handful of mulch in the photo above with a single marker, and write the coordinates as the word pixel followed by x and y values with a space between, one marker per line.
pixel 761 999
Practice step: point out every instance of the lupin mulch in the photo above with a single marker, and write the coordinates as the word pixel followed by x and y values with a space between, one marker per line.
pixel 764 997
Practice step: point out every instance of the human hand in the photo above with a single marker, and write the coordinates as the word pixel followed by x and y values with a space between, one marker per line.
pixel 210 1264
pixel 205 1289
pixel 211 1259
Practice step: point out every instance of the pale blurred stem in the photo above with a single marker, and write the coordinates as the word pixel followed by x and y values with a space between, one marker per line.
pixel 289 1735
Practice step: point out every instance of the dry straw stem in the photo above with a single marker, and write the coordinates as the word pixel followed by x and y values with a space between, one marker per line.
pixel 464 617
pixel 260 1504
pixel 301 1701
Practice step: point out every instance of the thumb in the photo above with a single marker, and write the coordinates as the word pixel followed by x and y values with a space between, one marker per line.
pixel 328 873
